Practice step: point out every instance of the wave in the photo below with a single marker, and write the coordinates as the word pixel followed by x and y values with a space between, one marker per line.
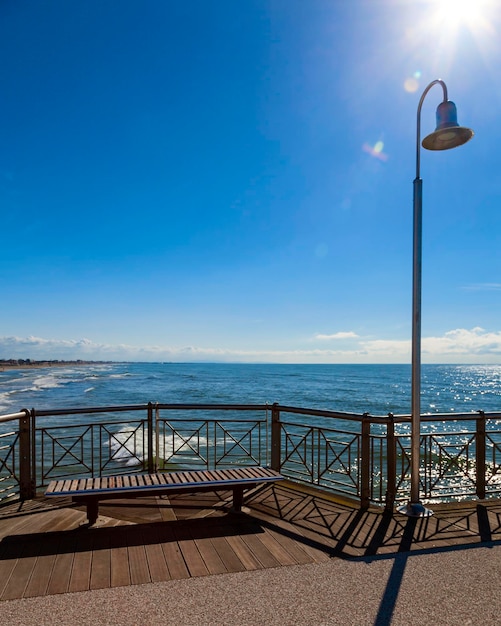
pixel 126 446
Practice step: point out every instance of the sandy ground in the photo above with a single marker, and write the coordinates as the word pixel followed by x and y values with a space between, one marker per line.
pixel 447 587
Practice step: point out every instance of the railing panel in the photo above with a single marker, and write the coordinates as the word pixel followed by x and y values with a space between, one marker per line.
pixel 339 461
pixel 184 442
pixel 298 450
pixel 243 445
pixel 90 449
pixel 363 457
pixel 493 463
pixel 9 465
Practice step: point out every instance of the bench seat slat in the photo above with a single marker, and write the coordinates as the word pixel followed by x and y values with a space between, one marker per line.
pixel 220 478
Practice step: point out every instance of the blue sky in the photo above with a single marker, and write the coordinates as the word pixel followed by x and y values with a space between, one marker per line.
pixel 232 180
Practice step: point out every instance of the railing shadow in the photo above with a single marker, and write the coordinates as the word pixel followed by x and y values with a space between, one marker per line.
pixel 352 532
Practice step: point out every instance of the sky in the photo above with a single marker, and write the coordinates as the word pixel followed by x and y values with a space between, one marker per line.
pixel 185 180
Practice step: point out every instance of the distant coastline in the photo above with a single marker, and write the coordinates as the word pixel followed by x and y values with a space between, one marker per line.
pixel 17 364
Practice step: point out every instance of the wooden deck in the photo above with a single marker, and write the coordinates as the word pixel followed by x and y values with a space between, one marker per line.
pixel 46 547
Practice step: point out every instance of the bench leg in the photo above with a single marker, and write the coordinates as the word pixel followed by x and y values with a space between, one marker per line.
pixel 238 498
pixel 92 510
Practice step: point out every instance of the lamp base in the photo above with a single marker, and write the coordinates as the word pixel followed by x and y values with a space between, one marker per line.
pixel 414 509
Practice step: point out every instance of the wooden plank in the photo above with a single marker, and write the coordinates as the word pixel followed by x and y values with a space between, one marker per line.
pixel 210 556
pixel 194 477
pixel 228 556
pixel 81 566
pixel 100 577
pixel 61 570
pixel 284 549
pixel 260 551
pixel 167 478
pixel 165 508
pixel 164 478
pixel 233 475
pixel 16 568
pixel 194 562
pixel 282 555
pixel 172 552
pixel 42 572
pixel 182 477
pixel 243 552
pixel 119 559
pixel 315 554
pixel 157 565
pixel 138 563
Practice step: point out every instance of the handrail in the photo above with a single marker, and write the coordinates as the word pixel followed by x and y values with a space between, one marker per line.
pixel 381 419
pixel 80 410
pixel 9 417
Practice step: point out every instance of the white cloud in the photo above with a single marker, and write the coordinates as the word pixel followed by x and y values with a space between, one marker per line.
pixel 461 341
pixel 455 346
pixel 483 287
pixel 459 346
pixel 341 335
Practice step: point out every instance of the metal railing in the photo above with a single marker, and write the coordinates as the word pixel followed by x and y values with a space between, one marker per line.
pixel 364 457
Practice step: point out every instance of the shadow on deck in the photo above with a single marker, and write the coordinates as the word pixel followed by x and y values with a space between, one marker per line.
pixel 46 547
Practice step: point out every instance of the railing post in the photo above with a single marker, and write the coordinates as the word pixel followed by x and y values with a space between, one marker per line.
pixel 150 438
pixel 276 434
pixel 480 455
pixel 391 464
pixel 365 462
pixel 26 484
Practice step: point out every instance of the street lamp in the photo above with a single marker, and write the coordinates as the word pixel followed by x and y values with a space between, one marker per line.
pixel 448 134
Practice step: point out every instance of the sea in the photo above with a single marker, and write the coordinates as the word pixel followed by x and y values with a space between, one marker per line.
pixel 373 389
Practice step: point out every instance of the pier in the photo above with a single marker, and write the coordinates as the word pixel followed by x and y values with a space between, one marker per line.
pixel 312 525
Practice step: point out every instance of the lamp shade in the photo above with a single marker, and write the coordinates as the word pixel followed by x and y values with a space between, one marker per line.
pixel 448 133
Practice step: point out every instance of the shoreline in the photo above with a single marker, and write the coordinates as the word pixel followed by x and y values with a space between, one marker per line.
pixel 7 366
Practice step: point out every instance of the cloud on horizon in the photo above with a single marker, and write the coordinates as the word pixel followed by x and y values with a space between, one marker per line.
pixel 341 335
pixel 455 346
pixel 483 287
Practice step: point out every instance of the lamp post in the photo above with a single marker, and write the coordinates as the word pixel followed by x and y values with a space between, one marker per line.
pixel 448 134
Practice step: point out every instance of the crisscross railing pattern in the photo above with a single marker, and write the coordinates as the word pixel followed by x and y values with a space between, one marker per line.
pixel 9 477
pixel 493 463
pixel 364 457
pixel 180 440
pixel 244 442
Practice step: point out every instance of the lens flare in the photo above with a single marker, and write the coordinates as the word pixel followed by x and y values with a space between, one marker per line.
pixel 376 150
pixel 411 84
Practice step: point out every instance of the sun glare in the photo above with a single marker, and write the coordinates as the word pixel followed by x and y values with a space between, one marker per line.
pixel 472 14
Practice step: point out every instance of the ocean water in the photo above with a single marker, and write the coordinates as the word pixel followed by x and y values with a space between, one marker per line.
pixel 375 389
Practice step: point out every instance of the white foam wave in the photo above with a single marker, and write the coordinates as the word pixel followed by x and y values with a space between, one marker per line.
pixel 127 447
pixel 89 389
pixel 47 382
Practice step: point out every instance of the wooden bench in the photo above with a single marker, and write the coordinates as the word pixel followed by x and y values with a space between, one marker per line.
pixel 90 491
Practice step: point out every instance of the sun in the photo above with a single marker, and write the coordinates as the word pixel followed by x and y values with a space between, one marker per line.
pixel 472 14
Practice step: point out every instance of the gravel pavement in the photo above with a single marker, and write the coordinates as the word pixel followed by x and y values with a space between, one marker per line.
pixel 448 587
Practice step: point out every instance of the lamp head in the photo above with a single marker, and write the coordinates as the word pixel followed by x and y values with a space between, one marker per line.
pixel 448 133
